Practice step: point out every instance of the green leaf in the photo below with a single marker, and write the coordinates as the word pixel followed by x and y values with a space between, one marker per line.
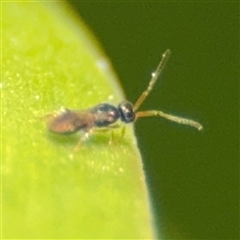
pixel 49 61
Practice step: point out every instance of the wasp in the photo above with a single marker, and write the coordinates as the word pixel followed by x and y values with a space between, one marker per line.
pixel 105 115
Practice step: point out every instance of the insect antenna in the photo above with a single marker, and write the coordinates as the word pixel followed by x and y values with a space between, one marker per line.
pixel 170 117
pixel 153 80
pixel 144 95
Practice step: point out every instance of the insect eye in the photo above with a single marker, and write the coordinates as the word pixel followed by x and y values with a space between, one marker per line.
pixel 126 112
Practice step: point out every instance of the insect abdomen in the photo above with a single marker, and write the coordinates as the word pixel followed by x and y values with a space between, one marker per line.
pixel 67 123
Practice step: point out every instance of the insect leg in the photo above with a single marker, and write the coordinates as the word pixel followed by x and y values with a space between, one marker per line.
pixel 108 128
pixel 122 133
pixel 83 138
pixel 123 130
pixel 105 129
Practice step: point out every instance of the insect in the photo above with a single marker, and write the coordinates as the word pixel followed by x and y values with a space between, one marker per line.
pixel 105 116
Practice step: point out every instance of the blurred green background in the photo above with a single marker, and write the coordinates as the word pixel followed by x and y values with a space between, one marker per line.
pixel 193 177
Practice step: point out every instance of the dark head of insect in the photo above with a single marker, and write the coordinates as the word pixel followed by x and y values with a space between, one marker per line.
pixel 106 115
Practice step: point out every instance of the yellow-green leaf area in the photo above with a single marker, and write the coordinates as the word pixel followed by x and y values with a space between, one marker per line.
pixel 50 61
